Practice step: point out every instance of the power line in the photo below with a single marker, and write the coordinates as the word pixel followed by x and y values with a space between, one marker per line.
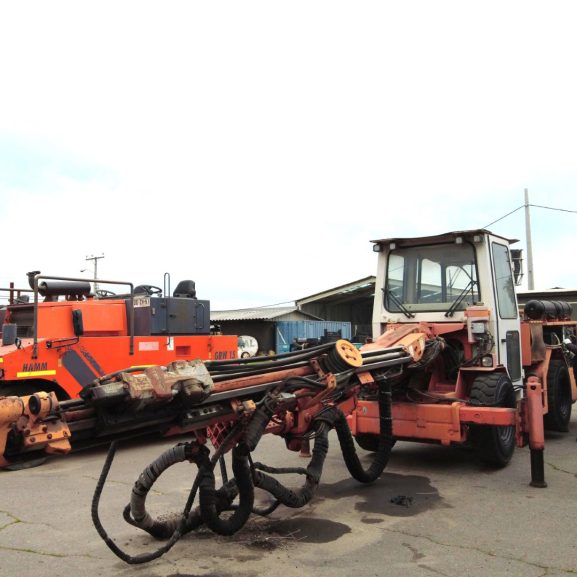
pixel 486 226
pixel 505 216
pixel 533 205
pixel 551 208
pixel 260 306
pixel 274 305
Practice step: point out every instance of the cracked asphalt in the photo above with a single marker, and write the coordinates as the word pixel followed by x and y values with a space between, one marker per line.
pixel 435 511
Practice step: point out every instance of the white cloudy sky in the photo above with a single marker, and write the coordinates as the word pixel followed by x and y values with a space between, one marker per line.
pixel 256 147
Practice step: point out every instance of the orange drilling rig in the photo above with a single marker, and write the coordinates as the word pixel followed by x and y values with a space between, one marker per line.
pixel 453 362
pixel 482 354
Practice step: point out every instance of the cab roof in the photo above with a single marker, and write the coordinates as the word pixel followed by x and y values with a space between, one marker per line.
pixel 441 238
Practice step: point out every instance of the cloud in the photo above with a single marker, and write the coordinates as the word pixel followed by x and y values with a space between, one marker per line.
pixel 258 147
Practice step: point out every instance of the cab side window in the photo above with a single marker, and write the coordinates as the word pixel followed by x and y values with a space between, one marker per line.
pixel 504 282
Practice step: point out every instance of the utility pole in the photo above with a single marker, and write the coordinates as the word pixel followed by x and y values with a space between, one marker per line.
pixel 530 279
pixel 95 259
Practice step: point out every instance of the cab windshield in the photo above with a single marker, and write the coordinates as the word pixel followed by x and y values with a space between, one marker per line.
pixel 431 278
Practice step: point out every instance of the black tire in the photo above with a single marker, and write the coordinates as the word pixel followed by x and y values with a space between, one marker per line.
pixel 558 397
pixel 369 442
pixel 494 445
pixel 21 389
pixel 29 387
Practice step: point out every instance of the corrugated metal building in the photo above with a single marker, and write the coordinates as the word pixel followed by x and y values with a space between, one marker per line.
pixel 287 332
pixel 276 328
pixel 352 303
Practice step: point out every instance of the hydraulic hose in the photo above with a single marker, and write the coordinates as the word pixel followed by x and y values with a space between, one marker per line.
pixel 244 437
pixel 145 557
pixel 385 439
pixel 209 497
pixel 378 352
pixel 301 497
pixel 257 425
pixel 135 512
pixel 164 529
pixel 110 376
pixel 140 516
pixel 242 372
pixel 308 352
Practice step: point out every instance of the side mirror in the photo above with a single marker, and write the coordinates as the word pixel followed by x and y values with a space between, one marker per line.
pixel 517 261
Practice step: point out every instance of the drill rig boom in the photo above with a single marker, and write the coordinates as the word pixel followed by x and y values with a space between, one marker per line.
pixel 182 397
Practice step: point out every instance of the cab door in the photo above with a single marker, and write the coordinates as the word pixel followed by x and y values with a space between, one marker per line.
pixel 507 321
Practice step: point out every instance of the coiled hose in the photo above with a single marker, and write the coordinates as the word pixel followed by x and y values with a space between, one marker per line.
pixel 301 497
pixel 145 557
pixel 385 439
pixel 135 512
pixel 215 502
pixel 209 498
pixel 246 477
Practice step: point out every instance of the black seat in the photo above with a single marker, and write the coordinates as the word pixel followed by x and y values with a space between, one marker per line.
pixel 185 289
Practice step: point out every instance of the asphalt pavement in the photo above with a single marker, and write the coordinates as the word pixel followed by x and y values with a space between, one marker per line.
pixel 435 511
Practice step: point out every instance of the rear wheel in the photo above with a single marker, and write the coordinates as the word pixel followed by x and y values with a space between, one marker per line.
pixel 494 444
pixel 558 397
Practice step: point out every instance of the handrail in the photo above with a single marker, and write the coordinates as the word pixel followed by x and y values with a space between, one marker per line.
pixel 12 289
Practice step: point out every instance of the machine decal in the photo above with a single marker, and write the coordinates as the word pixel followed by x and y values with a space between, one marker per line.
pixel 141 301
pixel 223 355
pixel 35 370
pixel 23 375
pixel 78 368
pixel 149 346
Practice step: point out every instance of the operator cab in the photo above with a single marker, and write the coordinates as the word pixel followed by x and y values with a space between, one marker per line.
pixel 463 277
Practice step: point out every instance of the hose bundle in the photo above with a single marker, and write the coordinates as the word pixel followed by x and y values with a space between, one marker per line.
pixel 299 498
pixel 244 438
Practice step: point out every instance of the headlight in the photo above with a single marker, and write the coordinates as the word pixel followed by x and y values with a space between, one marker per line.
pixel 487 361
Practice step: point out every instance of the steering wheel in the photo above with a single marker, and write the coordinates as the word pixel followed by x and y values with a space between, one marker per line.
pixel 101 293
pixel 148 289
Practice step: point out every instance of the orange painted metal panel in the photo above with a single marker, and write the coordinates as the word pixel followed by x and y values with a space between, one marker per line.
pixel 96 356
pixel 55 322
pixel 439 422
pixel 110 320
pixel 55 319
pixel 526 358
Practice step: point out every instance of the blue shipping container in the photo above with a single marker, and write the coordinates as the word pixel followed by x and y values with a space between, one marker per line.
pixel 287 331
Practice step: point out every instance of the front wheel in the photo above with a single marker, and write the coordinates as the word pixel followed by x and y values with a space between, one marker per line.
pixel 494 444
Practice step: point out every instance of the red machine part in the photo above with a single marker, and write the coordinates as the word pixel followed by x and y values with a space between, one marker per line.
pixel 442 422
pixel 29 417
